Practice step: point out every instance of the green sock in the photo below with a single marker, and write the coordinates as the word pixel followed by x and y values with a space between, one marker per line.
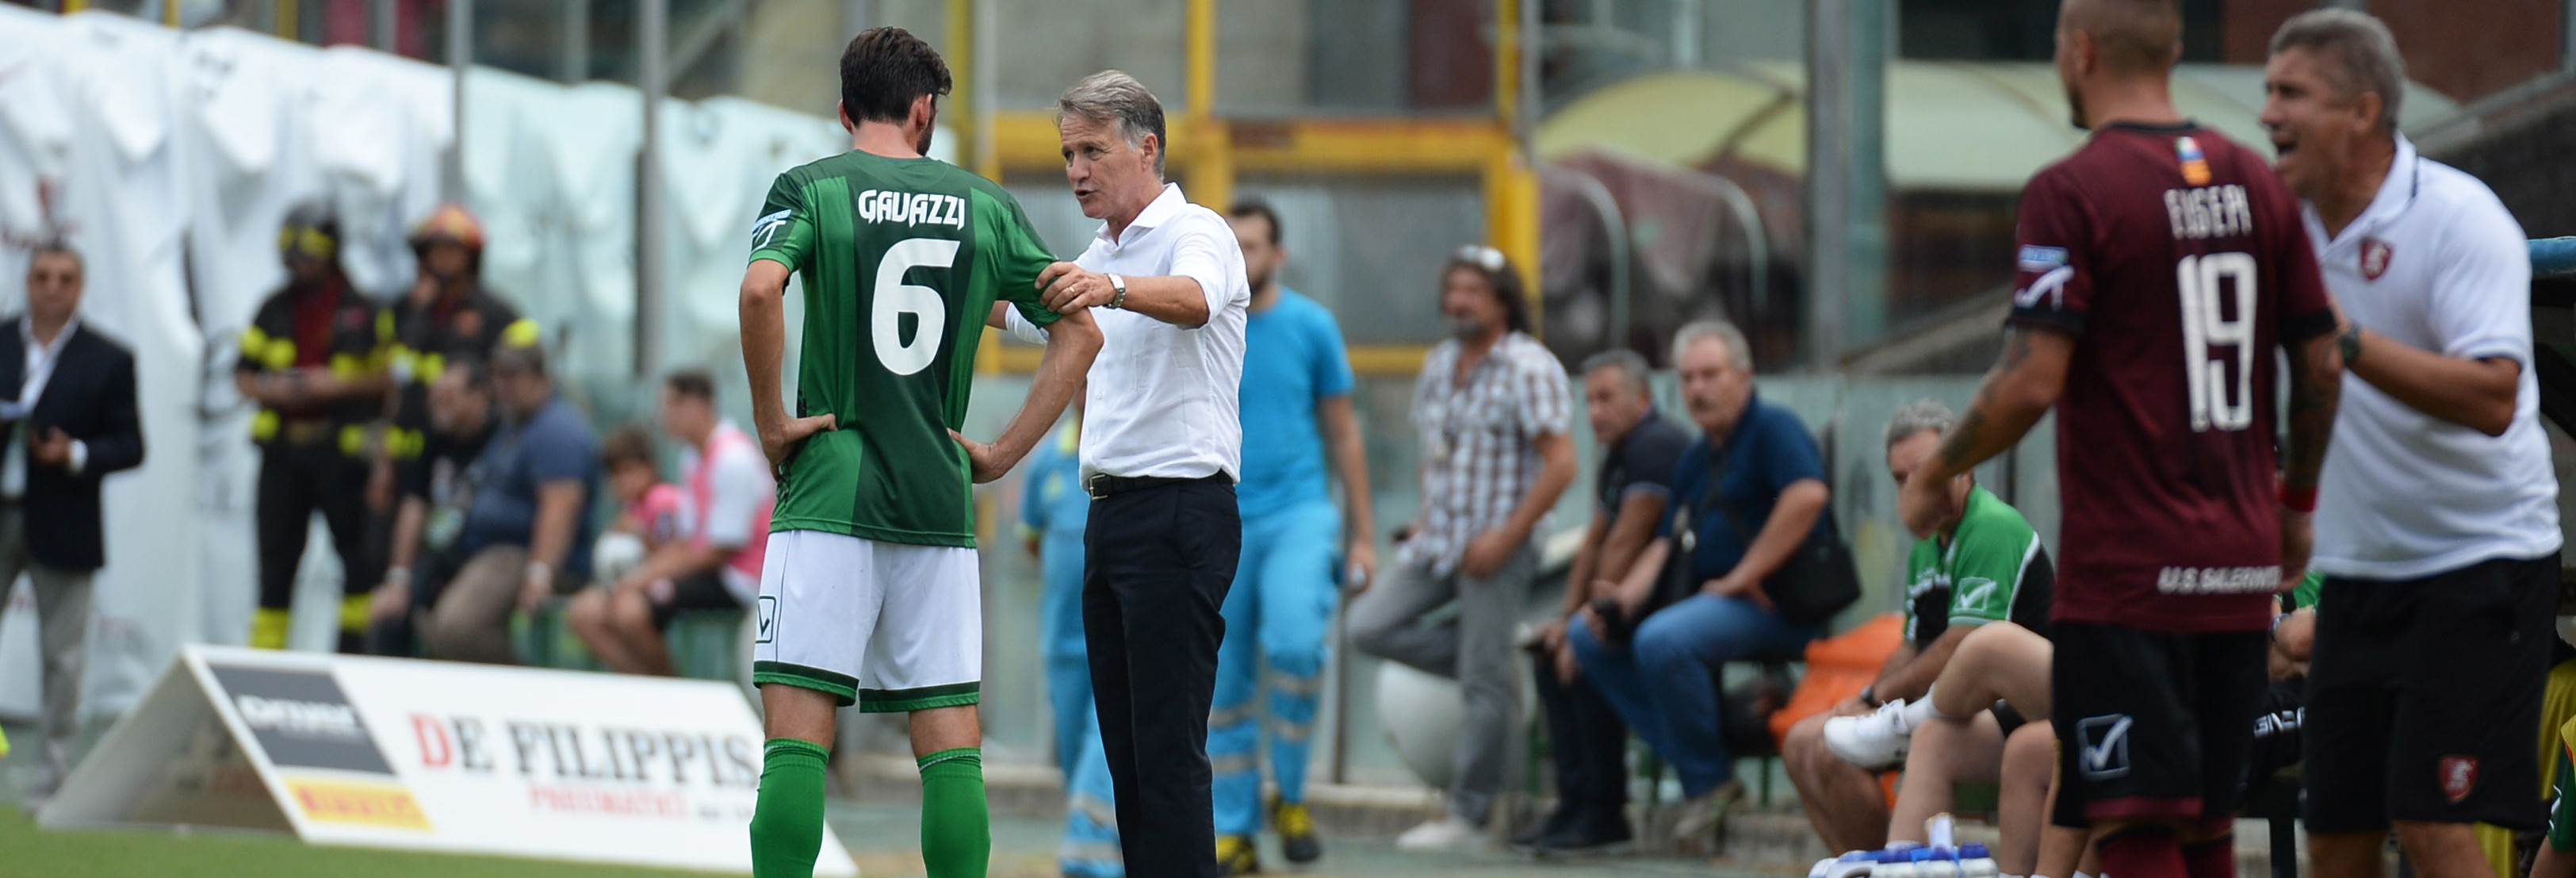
pixel 956 826
pixel 787 824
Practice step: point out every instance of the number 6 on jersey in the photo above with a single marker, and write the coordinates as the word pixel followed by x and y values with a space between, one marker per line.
pixel 892 298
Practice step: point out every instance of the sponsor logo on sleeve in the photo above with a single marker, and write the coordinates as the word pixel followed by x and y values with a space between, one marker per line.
pixel 765 229
pixel 2050 286
pixel 2039 260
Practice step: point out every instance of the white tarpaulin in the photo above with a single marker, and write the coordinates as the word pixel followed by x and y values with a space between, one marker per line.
pixel 168 159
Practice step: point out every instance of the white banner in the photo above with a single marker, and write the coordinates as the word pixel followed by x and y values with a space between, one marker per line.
pixel 438 756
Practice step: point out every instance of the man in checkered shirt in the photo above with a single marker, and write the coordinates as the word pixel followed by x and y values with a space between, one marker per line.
pixel 1493 413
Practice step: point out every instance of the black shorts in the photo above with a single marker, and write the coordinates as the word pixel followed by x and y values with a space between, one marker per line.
pixel 2007 719
pixel 696 591
pixel 2424 697
pixel 2151 725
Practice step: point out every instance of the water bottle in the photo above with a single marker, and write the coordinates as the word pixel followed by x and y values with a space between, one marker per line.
pixel 1975 862
pixel 1854 864
pixel 1942 830
pixel 1896 864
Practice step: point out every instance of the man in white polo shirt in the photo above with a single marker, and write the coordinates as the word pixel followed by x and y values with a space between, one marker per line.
pixel 2436 522
pixel 1161 449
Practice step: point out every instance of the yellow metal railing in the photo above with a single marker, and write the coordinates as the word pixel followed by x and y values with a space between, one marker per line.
pixel 1210 151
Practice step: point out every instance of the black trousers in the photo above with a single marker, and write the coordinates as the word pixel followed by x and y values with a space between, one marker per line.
pixel 1156 566
pixel 1589 746
pixel 294 482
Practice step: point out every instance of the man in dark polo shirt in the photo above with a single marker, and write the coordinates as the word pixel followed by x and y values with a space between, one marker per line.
pixel 1586 740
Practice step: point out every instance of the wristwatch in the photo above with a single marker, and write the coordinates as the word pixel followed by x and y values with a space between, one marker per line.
pixel 2350 341
pixel 1118 282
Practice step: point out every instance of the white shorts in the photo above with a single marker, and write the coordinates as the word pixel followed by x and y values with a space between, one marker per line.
pixel 893 627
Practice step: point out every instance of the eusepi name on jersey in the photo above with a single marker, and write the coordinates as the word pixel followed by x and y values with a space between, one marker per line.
pixel 2210 212
pixel 912 208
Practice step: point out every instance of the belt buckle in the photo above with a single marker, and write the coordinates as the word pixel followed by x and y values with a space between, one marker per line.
pixel 1097 486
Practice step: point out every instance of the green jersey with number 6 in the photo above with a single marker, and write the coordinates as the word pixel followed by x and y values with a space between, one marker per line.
pixel 900 261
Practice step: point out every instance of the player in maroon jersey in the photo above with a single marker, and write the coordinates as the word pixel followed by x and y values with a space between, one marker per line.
pixel 2159 266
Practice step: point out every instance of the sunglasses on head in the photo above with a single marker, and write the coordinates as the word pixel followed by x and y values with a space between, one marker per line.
pixel 1481 256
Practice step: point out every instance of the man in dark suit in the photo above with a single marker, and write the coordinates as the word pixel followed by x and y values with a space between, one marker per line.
pixel 67 408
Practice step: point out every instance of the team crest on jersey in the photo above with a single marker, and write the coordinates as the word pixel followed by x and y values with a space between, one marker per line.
pixel 2375 254
pixel 2459 777
pixel 2195 166
pixel 2036 259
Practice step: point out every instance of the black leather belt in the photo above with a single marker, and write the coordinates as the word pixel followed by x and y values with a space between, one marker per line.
pixel 1103 487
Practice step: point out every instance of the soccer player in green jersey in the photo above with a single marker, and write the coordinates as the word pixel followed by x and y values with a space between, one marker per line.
pixel 869 593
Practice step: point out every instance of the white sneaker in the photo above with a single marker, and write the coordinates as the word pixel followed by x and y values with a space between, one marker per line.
pixel 1873 741
pixel 1446 833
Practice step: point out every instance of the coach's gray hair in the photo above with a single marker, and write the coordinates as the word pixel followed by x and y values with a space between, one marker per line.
pixel 1114 97
pixel 2361 55
pixel 1631 367
pixel 1718 328
pixel 1919 416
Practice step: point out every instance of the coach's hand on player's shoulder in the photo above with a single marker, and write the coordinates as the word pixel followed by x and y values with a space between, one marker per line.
pixel 988 463
pixel 780 439
pixel 1065 287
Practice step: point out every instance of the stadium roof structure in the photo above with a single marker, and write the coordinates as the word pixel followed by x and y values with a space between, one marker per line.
pixel 1951 125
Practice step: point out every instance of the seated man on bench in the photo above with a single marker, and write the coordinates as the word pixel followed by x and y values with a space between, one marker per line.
pixel 1986 566
pixel 726 494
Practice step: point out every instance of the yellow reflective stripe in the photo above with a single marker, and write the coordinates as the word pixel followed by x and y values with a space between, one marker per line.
pixel 268 628
pixel 355 612
pixel 263 426
pixel 520 333
pixel 279 354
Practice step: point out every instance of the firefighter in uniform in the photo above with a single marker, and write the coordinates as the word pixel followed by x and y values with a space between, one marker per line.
pixel 448 317
pixel 314 360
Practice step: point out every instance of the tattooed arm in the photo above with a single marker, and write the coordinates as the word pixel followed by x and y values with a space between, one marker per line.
pixel 2316 389
pixel 2023 384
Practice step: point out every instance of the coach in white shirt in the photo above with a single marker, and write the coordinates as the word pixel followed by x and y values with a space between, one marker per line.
pixel 2436 522
pixel 1161 449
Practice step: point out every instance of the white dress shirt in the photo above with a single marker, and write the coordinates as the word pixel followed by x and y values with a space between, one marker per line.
pixel 39 371
pixel 2437 263
pixel 1161 399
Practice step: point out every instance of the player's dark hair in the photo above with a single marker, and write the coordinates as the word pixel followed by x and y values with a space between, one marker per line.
pixel 1496 268
pixel 884 70
pixel 1251 206
pixel 58 247
pixel 628 445
pixel 478 374
pixel 693 383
